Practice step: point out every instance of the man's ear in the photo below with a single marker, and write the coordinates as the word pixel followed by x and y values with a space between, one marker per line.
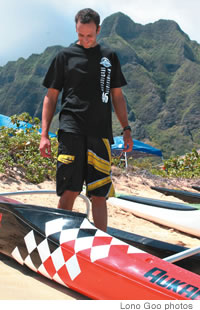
pixel 98 29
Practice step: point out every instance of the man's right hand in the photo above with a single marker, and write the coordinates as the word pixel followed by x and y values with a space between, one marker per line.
pixel 45 147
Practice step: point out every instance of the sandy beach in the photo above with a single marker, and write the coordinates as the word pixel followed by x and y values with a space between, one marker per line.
pixel 20 283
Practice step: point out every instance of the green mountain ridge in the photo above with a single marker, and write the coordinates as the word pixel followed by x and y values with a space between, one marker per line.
pixel 162 68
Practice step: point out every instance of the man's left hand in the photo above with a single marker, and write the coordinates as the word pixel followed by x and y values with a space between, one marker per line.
pixel 128 141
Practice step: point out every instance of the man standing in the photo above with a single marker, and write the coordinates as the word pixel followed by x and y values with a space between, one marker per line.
pixel 89 77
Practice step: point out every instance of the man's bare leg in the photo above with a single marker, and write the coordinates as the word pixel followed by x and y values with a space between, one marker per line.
pixel 67 200
pixel 99 212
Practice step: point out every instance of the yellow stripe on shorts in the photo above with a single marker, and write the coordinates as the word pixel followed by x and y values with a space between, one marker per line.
pixel 99 163
pixel 66 159
pixel 98 183
pixel 111 192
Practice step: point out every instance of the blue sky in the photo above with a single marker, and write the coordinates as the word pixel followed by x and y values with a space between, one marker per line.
pixel 29 26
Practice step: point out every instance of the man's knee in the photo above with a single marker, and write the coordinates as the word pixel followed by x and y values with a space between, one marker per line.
pixel 98 198
pixel 71 194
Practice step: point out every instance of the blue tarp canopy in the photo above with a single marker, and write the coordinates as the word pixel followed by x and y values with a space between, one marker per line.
pixel 6 122
pixel 140 149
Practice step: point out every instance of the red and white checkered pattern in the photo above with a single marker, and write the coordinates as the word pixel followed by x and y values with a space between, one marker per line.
pixel 62 264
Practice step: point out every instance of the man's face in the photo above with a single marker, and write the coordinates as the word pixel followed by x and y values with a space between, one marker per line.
pixel 87 34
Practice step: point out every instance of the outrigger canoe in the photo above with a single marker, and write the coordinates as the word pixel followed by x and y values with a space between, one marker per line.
pixel 186 196
pixel 196 188
pixel 153 246
pixel 65 247
pixel 180 216
pixel 159 248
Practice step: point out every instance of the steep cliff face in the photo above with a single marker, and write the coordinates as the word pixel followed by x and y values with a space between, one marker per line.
pixel 21 83
pixel 162 67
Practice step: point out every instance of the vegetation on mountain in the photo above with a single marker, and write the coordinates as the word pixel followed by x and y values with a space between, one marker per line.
pixel 21 83
pixel 162 67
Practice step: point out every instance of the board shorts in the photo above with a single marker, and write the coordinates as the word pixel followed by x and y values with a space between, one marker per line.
pixel 82 159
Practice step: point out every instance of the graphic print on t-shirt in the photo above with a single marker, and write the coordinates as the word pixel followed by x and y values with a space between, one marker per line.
pixel 105 78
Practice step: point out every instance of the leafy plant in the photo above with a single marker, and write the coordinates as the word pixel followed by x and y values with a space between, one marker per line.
pixel 19 151
pixel 185 167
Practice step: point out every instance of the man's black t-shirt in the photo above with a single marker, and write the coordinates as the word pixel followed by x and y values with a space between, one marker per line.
pixel 85 76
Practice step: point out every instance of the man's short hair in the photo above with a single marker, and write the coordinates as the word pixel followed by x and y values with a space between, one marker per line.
pixel 87 16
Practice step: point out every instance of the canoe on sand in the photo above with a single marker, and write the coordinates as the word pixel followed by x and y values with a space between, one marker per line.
pixel 179 216
pixel 186 196
pixel 67 248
